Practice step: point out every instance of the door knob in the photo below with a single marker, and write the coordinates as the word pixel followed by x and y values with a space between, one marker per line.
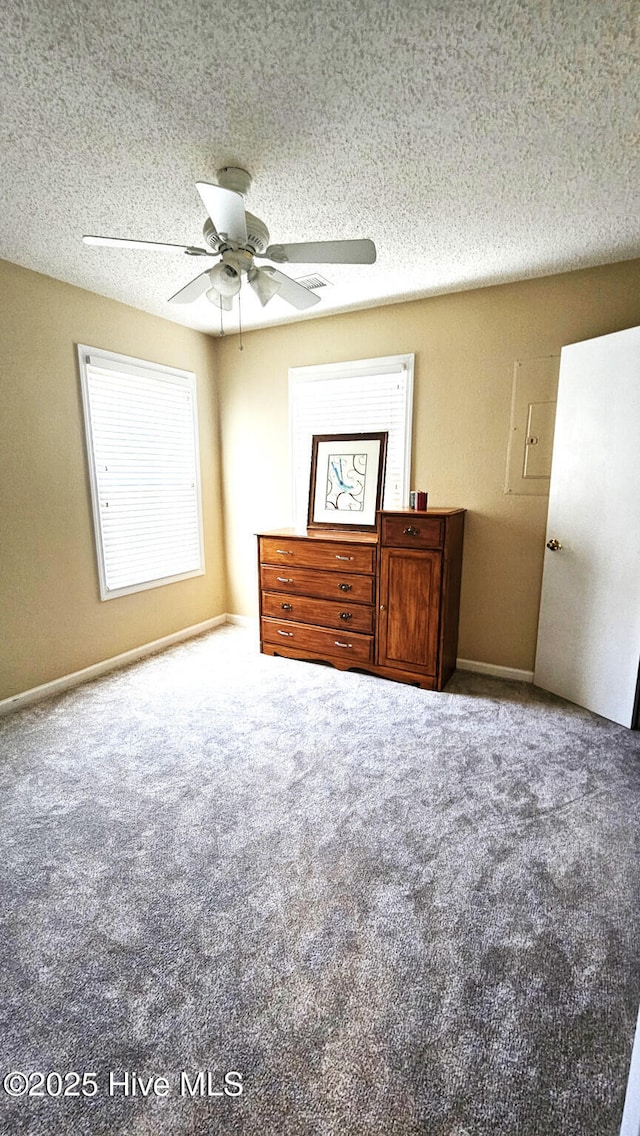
pixel 554 545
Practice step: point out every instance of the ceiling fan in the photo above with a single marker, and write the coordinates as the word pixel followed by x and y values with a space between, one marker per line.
pixel 239 238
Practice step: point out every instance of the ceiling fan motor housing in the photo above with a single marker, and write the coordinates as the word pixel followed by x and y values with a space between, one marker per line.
pixel 211 237
pixel 257 235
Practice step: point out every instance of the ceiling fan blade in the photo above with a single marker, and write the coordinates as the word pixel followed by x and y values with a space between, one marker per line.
pixel 123 242
pixel 192 290
pixel 226 209
pixel 323 252
pixel 295 294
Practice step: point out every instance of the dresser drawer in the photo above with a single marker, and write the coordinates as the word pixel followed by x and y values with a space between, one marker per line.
pixel 326 613
pixel 329 555
pixel 337 644
pixel 412 532
pixel 324 585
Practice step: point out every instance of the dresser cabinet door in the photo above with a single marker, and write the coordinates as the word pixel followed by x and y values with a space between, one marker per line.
pixel 409 609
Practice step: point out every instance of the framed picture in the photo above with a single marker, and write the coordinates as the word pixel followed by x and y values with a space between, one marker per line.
pixel 347 477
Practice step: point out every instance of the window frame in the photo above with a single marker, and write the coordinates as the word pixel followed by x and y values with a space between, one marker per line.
pixel 124 365
pixel 357 368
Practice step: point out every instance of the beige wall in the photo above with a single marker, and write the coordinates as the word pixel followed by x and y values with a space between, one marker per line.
pixel 465 346
pixel 52 621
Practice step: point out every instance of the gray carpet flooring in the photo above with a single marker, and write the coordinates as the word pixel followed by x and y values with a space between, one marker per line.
pixel 372 909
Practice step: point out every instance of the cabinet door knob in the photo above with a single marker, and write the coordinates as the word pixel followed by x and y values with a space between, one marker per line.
pixel 411 530
pixel 346 615
pixel 382 607
pixel 554 545
pixel 345 587
pixel 287 607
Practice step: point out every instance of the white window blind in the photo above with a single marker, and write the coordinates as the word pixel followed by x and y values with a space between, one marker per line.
pixel 366 395
pixel 142 445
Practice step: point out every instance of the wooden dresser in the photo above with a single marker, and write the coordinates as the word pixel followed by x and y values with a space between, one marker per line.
pixel 384 602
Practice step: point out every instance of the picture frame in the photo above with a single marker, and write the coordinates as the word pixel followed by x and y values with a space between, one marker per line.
pixel 347 479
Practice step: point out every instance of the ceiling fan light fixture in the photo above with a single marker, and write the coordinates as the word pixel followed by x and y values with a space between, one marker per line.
pixel 224 280
pixel 264 285
pixel 220 301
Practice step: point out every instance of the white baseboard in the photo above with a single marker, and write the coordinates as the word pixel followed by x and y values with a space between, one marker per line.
pixel 241 620
pixel 496 671
pixel 65 682
pixel 461 664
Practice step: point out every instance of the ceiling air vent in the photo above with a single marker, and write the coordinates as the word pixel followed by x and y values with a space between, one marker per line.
pixel 313 281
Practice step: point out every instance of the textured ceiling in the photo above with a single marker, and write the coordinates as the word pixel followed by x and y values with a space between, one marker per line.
pixel 475 141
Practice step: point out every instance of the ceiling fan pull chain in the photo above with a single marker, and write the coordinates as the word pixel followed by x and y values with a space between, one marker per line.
pixel 241 348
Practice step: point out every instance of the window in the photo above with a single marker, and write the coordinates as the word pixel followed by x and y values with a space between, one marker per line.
pixel 370 394
pixel 142 446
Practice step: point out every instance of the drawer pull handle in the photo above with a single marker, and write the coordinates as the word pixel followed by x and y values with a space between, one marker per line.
pixel 284 579
pixel 346 615
pixel 287 607
pixel 411 530
pixel 289 634
pixel 345 587
pixel 284 552
pixel 349 646
pixel 343 557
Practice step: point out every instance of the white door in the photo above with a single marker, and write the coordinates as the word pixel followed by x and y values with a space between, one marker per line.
pixel 589 630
